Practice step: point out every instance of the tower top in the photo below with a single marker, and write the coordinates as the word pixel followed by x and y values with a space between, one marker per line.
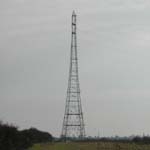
pixel 73 13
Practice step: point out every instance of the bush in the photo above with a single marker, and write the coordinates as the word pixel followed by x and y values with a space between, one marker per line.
pixel 12 139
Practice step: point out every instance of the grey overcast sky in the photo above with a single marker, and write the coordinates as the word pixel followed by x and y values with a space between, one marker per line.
pixel 114 64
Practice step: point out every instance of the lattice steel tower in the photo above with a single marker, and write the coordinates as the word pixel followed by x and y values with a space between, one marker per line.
pixel 73 123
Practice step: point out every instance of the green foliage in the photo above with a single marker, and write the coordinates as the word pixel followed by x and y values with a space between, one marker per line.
pixel 12 139
pixel 36 136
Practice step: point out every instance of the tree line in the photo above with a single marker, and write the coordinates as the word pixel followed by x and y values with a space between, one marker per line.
pixel 13 139
pixel 133 139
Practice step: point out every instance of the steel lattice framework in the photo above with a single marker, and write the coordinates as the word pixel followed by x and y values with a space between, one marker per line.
pixel 73 123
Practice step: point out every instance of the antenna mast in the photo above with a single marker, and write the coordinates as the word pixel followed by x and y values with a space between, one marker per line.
pixel 73 123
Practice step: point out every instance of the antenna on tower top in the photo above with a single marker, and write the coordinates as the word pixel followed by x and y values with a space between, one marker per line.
pixel 73 13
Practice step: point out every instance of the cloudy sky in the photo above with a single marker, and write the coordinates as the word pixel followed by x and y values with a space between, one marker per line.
pixel 114 64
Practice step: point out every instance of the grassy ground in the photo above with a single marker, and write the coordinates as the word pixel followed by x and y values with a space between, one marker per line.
pixel 90 146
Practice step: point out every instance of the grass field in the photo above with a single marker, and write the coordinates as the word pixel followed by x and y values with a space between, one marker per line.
pixel 90 146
